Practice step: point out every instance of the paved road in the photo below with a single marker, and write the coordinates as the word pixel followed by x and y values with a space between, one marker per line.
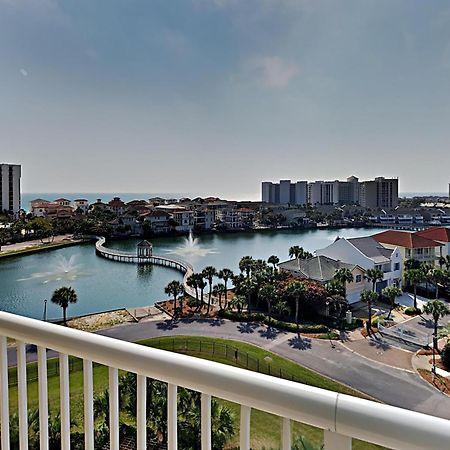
pixel 35 243
pixel 393 386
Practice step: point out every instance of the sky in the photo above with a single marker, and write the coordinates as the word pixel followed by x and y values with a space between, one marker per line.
pixel 213 96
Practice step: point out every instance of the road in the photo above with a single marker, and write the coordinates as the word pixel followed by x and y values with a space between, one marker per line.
pixel 389 385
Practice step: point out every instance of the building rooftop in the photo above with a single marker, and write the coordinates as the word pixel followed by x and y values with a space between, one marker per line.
pixel 369 247
pixel 405 239
pixel 440 234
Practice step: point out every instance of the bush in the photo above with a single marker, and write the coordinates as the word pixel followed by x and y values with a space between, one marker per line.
pixel 445 356
pixel 411 311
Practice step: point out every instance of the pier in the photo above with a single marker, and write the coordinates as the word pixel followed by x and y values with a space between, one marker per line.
pixel 134 258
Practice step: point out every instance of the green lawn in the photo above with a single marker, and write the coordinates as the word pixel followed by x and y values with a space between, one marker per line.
pixel 265 429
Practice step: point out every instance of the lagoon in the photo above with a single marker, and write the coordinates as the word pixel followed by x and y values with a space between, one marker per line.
pixel 26 281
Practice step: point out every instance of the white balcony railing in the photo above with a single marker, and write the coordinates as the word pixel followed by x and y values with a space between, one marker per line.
pixel 342 417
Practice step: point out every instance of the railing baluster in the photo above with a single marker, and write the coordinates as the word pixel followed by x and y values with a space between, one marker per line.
pixel 206 421
pixel 287 435
pixel 141 412
pixel 172 418
pixel 4 414
pixel 22 390
pixel 64 401
pixel 113 408
pixel 43 398
pixel 245 427
pixel 336 441
pixel 88 387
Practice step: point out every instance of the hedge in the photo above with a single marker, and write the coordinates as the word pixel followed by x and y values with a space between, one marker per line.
pixel 411 311
pixel 445 356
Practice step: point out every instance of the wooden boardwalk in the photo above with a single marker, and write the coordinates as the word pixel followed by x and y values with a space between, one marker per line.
pixel 128 257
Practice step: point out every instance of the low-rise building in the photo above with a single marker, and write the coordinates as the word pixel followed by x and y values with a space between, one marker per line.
pixel 410 245
pixel 323 269
pixel 368 253
pixel 81 205
pixel 117 206
pixel 441 235
pixel 157 220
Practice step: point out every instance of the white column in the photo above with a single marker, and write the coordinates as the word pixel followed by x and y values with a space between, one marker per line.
pixel 64 401
pixel 206 421
pixel 88 390
pixel 43 398
pixel 245 428
pixel 141 412
pixel 22 391
pixel 4 412
pixel 113 409
pixel 286 436
pixel 336 441
pixel 172 418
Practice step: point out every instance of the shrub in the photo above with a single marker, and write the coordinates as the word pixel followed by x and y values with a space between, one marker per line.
pixel 445 356
pixel 411 311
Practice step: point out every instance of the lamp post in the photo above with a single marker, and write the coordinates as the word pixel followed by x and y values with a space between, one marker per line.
pixel 433 368
pixel 45 311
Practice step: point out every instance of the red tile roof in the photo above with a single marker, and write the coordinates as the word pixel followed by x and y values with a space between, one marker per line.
pixel 440 234
pixel 404 239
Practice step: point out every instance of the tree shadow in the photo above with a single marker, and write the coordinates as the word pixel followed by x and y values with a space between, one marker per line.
pixel 300 343
pixel 167 325
pixel 216 322
pixel 425 322
pixel 379 344
pixel 247 327
pixel 269 333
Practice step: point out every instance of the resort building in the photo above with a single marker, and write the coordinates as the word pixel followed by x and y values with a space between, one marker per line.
pixel 117 206
pixel 81 205
pixel 441 235
pixel 368 253
pixel 158 221
pixel 10 200
pixel 204 218
pixel 323 269
pixel 381 193
pixel 410 245
pixel 62 202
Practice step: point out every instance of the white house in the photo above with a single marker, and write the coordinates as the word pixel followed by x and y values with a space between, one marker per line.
pixel 367 253
pixel 441 235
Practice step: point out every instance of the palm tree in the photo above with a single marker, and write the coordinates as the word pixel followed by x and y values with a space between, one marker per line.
pixel 247 288
pixel 175 288
pixel 369 297
pixel 391 292
pixel 238 302
pixel 437 310
pixel 415 277
pixel 192 283
pixel 225 275
pixel 274 260
pixel 209 273
pixel 435 276
pixel 373 276
pixel 201 285
pixel 281 307
pixel 297 290
pixel 246 265
pixel 343 276
pixel 442 261
pixel 299 253
pixel 63 297
pixel 269 294
pixel 218 291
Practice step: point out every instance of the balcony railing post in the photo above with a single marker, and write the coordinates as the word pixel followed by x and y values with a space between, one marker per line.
pixel 64 401
pixel 43 398
pixel 113 409
pixel 336 441
pixel 88 387
pixel 245 427
pixel 4 414
pixel 287 436
pixel 22 391
pixel 141 412
pixel 206 421
pixel 172 437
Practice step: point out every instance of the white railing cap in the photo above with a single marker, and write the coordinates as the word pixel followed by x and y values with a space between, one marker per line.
pixel 363 419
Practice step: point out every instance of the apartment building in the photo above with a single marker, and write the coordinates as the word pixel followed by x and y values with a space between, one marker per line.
pixel 10 188
pixel 379 193
pixel 285 192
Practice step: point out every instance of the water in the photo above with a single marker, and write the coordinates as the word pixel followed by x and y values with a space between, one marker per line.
pixel 104 285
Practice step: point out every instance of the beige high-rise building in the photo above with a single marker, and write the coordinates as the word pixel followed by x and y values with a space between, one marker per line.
pixel 10 188
pixel 379 193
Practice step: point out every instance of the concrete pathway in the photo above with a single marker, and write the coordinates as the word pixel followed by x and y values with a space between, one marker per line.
pixel 35 243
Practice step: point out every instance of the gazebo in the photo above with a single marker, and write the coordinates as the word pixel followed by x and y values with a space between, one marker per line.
pixel 144 249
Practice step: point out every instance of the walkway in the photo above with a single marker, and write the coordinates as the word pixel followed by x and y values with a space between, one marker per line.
pixel 130 257
pixel 35 243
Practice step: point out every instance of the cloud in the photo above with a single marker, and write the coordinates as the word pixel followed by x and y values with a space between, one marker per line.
pixel 273 71
pixel 23 72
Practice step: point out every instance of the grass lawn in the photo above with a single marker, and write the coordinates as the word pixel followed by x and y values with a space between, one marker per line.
pixel 265 427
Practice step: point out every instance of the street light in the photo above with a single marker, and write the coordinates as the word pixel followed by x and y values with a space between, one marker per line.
pixel 433 368
pixel 45 311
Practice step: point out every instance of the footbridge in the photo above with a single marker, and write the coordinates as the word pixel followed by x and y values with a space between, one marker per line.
pixel 129 257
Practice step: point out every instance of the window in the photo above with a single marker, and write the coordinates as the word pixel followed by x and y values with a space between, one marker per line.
pixel 358 278
pixel 397 266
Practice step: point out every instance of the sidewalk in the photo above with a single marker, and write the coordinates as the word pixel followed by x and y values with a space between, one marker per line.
pixel 35 243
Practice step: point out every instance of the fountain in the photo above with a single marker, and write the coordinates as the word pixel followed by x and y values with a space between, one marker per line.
pixel 66 269
pixel 191 248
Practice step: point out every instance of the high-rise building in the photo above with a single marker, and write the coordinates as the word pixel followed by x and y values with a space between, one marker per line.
pixel 379 193
pixel 10 188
